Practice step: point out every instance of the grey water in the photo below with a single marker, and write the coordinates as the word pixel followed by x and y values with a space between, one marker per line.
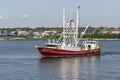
pixel 19 60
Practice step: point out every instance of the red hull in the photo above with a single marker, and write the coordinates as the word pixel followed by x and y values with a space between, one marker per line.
pixel 49 52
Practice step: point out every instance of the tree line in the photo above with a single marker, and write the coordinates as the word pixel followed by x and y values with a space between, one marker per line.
pixel 92 32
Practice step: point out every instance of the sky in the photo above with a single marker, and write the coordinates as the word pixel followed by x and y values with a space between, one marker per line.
pixel 48 13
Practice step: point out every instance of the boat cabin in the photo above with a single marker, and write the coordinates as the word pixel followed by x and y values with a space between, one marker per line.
pixel 90 45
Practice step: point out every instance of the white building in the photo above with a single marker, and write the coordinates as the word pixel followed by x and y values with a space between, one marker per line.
pixel 36 35
pixel 111 31
pixel 115 32
pixel 23 33
pixel 47 33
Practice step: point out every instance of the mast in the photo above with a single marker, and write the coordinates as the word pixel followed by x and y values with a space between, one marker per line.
pixel 64 39
pixel 77 23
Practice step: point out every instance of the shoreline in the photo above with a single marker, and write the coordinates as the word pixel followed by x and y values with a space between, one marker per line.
pixel 47 39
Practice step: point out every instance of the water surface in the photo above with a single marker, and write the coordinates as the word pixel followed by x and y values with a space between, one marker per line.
pixel 19 60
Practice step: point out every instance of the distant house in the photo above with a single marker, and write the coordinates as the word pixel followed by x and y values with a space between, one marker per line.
pixel 47 33
pixel 115 32
pixel 4 33
pixel 23 33
pixel 106 31
pixel 12 33
pixel 111 31
pixel 36 35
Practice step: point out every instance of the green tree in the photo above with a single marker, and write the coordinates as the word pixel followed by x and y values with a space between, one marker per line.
pixel 16 33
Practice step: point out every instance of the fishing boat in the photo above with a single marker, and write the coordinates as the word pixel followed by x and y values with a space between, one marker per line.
pixel 69 44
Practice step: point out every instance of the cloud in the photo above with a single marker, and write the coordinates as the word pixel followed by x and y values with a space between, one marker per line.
pixel 2 17
pixel 25 16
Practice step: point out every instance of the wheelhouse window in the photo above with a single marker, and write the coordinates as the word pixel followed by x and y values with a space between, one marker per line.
pixel 51 45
